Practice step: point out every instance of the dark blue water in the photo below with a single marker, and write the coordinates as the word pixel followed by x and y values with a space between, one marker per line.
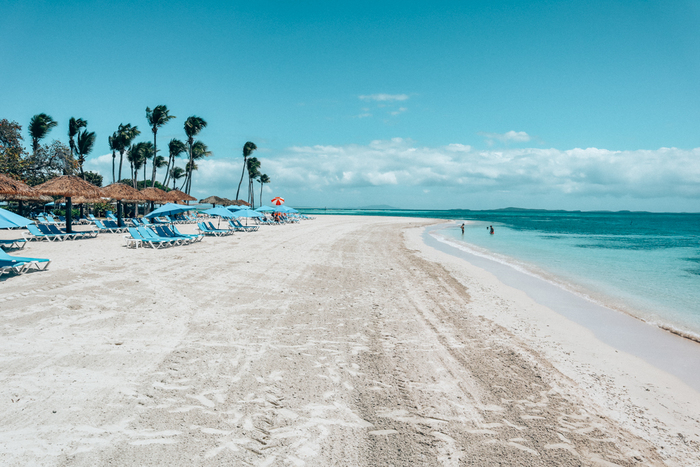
pixel 645 264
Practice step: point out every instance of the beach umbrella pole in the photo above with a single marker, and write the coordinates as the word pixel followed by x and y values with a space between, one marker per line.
pixel 69 214
pixel 119 214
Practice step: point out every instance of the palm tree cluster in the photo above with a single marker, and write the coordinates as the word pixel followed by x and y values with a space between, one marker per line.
pixel 254 174
pixel 122 144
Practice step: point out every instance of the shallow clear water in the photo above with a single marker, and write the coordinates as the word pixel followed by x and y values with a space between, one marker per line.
pixel 646 264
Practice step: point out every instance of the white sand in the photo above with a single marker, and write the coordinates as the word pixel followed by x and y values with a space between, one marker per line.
pixel 324 343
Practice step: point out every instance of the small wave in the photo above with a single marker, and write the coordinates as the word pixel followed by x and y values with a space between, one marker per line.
pixel 679 332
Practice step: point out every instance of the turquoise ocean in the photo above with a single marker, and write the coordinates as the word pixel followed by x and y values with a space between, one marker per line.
pixel 644 264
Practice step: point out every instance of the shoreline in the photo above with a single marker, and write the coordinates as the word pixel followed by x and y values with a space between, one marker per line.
pixel 645 397
pixel 339 341
pixel 489 256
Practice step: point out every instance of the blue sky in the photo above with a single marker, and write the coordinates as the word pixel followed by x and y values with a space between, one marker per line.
pixel 573 105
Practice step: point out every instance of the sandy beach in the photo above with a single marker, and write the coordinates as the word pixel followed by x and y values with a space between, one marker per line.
pixel 338 341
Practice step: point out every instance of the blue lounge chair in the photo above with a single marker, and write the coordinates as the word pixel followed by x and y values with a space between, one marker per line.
pixel 150 234
pixel 102 228
pixel 195 237
pixel 20 265
pixel 236 225
pixel 18 243
pixel 137 239
pixel 38 235
pixel 211 231
pixel 164 231
pixel 50 229
pixel 114 226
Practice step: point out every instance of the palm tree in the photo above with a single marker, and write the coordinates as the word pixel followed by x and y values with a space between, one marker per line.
pixel 39 127
pixel 263 179
pixel 137 159
pixel 253 173
pixel 126 134
pixel 176 173
pixel 113 142
pixel 175 148
pixel 248 149
pixel 74 126
pixel 146 152
pixel 159 116
pixel 193 125
pixel 86 141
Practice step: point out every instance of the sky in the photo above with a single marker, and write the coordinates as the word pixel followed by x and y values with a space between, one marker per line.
pixel 418 105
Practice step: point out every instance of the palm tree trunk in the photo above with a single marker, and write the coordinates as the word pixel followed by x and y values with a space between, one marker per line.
pixel 242 173
pixel 121 159
pixel 261 186
pixel 167 171
pixel 114 156
pixel 155 154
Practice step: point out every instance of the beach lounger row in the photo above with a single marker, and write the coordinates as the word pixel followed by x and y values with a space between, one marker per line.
pixel 160 236
pixel 19 265
pixel 52 233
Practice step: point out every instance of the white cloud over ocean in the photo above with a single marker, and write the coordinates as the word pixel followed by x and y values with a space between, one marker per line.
pixel 398 168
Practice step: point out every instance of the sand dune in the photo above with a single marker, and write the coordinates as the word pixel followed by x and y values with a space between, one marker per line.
pixel 329 342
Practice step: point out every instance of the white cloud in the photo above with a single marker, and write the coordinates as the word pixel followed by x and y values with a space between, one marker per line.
pixel 399 111
pixel 398 169
pixel 364 115
pixel 592 171
pixel 384 97
pixel 515 136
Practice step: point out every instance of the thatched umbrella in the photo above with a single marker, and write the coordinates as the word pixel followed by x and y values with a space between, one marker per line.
pixel 214 200
pixel 177 195
pixel 155 195
pixel 15 190
pixel 68 186
pixel 10 186
pixel 121 192
pixel 239 202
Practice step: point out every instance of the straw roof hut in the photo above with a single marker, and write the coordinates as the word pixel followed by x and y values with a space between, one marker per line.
pixel 214 200
pixel 239 202
pixel 69 186
pixel 177 195
pixel 12 187
pixel 120 191
pixel 154 194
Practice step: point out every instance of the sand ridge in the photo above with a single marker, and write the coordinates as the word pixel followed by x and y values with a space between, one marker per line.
pixel 322 343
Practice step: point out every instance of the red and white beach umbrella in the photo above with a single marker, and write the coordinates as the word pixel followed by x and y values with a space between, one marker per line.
pixel 277 200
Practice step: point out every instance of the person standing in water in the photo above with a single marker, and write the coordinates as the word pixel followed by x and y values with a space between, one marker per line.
pixel 491 229
pixel 462 228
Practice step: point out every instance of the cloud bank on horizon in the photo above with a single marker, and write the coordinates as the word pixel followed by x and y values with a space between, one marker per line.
pixel 406 175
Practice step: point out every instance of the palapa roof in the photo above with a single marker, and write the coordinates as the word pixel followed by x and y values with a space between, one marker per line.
pixel 177 195
pixel 10 186
pixel 32 196
pixel 69 186
pixel 215 200
pixel 154 194
pixel 121 192
pixel 239 202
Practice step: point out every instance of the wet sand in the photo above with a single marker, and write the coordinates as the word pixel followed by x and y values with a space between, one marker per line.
pixel 337 341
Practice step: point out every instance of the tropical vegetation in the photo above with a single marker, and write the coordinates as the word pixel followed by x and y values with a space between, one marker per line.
pixel 46 161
